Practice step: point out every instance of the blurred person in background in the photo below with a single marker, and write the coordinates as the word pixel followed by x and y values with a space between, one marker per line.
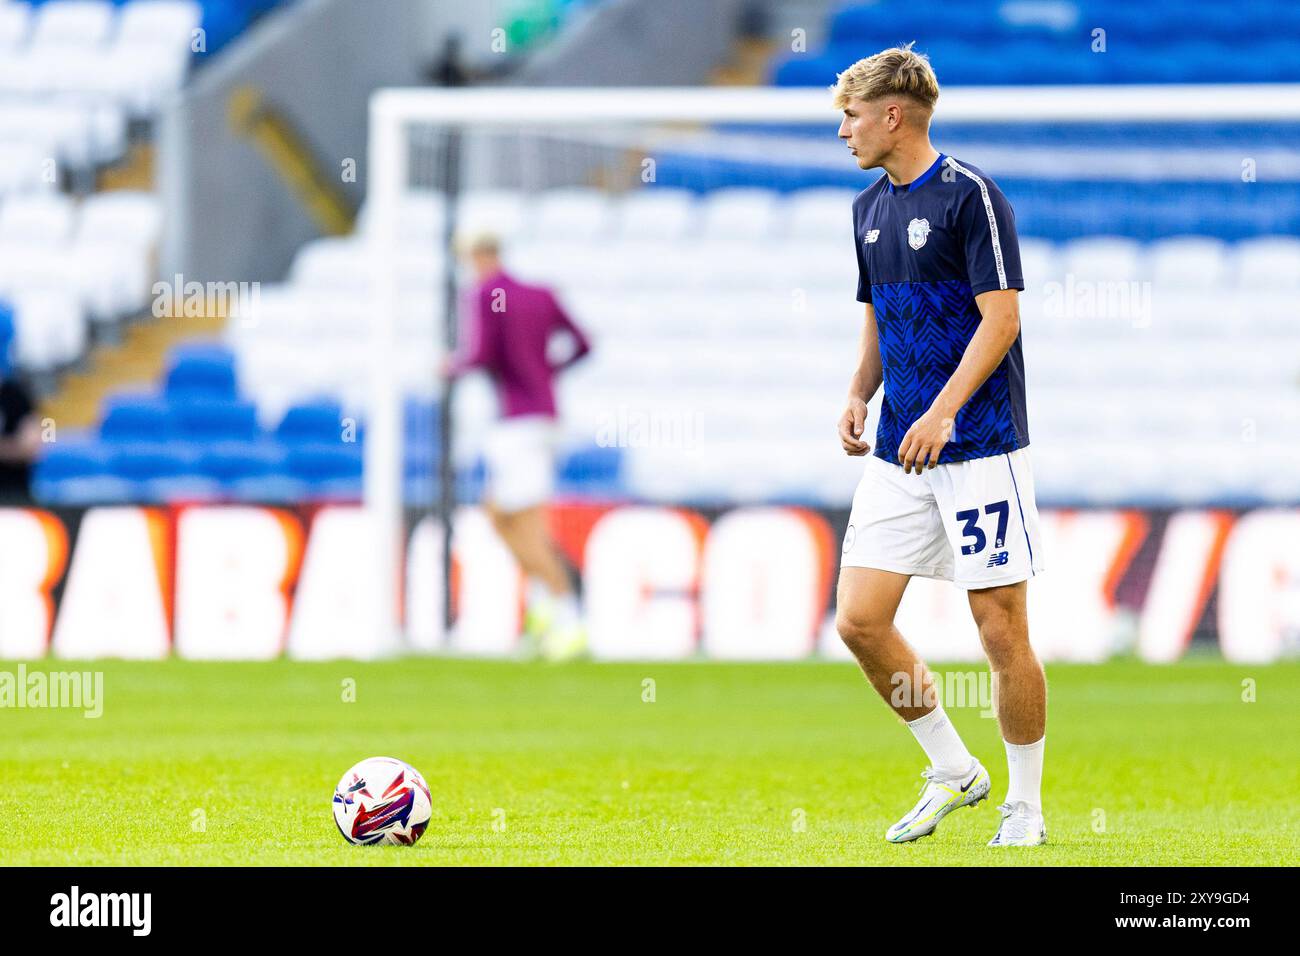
pixel 507 332
pixel 20 430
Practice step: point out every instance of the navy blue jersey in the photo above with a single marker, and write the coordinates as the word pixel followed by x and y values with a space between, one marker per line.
pixel 925 250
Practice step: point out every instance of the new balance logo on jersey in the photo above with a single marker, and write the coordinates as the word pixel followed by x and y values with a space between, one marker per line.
pixel 997 559
pixel 871 236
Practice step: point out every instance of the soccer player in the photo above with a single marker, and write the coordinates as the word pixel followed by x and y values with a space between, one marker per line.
pixel 508 331
pixel 948 492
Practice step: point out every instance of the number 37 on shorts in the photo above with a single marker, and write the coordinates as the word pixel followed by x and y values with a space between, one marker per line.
pixel 974 523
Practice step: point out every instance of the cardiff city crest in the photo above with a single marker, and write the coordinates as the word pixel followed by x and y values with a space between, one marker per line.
pixel 918 230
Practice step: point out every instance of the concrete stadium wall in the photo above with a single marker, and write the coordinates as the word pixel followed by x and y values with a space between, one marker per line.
pixel 230 216
pixel 639 42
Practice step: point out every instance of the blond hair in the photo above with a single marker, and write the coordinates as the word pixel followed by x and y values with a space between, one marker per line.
pixel 476 241
pixel 898 71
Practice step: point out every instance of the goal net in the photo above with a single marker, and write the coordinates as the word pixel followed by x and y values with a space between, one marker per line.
pixel 701 238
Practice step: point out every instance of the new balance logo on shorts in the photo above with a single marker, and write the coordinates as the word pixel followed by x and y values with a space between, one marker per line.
pixel 997 559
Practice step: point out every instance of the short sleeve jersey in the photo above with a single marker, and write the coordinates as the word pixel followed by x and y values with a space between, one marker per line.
pixel 925 250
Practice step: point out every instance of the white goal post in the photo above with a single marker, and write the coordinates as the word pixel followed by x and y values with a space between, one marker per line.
pixel 394 112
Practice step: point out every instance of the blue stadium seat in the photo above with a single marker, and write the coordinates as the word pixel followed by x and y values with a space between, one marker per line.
pixel 230 462
pixel 595 470
pixel 213 419
pixel 78 472
pixel 320 421
pixel 144 461
pixel 202 370
pixel 253 471
pixel 138 418
pixel 330 470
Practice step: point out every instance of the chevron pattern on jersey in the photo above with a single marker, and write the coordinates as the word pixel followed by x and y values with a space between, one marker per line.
pixel 923 330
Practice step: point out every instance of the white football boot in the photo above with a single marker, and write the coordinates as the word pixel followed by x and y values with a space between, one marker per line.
pixel 1021 825
pixel 564 642
pixel 940 795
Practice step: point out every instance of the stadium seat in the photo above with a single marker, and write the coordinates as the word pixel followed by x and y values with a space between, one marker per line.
pixel 330 470
pixel 1104 259
pixel 15 21
pixel 822 215
pixel 50 327
pixel 1189 261
pixel 201 370
pixel 319 422
pixel 234 462
pixel 123 216
pixel 581 215
pixel 24 267
pixel 41 218
pixel 593 470
pixel 204 419
pixel 138 418
pixel 72 25
pixel 1267 262
pixel 420 219
pixel 655 214
pixel 504 213
pixel 738 213
pixel 75 471
pixel 166 24
pixel 141 461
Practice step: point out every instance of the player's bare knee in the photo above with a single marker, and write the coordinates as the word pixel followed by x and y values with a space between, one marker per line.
pixel 1005 641
pixel 861 634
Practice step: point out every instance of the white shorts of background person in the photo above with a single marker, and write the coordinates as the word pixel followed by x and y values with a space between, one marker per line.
pixel 520 457
pixel 972 522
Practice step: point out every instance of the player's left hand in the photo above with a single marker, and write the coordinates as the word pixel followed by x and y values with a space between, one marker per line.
pixel 923 442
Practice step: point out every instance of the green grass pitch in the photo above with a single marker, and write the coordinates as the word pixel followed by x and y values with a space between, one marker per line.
pixel 760 764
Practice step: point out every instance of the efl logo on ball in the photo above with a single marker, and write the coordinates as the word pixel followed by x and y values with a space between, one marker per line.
pixel 382 800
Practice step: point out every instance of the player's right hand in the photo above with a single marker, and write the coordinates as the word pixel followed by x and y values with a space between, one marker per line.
pixel 852 422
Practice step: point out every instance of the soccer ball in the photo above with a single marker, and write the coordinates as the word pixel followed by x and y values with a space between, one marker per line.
pixel 382 800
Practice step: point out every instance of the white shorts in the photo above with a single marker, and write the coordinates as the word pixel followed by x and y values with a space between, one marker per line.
pixel 970 522
pixel 520 457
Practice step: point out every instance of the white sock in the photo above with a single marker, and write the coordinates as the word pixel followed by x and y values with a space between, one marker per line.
pixel 538 595
pixel 566 610
pixel 1025 773
pixel 941 742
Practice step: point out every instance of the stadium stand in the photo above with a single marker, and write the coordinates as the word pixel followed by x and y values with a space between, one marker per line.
pixel 646 273
pixel 669 280
pixel 76 78
pixel 1059 43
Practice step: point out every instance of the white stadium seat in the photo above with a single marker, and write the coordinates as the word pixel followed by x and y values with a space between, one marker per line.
pixel 655 214
pixel 421 217
pixel 121 216
pixel 1040 263
pixel 1104 259
pixel 1271 262
pixel 15 21
pixel 820 215
pixel 506 213
pixel 73 24
pixel 41 218
pixel 50 329
pixel 166 24
pixel 581 215
pixel 1189 261
pixel 23 167
pixel 739 212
